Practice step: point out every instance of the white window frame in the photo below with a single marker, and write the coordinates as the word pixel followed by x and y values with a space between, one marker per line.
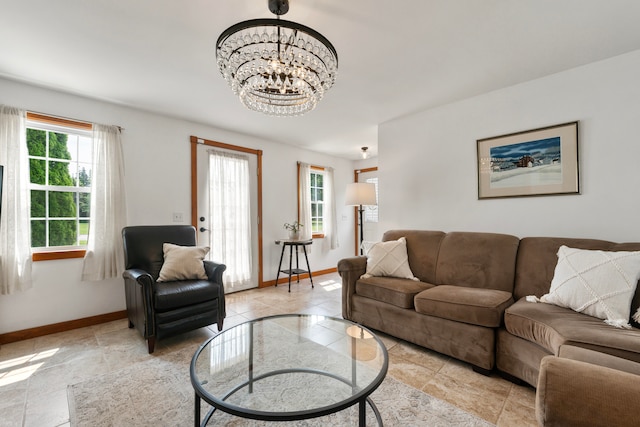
pixel 75 129
pixel 318 203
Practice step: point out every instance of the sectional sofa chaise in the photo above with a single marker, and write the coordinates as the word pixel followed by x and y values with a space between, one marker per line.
pixel 473 298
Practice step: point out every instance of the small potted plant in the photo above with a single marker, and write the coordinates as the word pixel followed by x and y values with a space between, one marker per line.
pixel 294 229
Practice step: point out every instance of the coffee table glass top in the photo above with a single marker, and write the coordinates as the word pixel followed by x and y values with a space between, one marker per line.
pixel 289 366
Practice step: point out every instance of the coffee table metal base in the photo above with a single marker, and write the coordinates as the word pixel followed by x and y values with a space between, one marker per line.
pixel 362 409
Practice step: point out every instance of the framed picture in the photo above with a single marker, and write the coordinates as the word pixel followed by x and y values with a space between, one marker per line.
pixel 532 163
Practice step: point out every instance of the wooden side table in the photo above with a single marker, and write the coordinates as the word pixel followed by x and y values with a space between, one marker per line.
pixel 293 244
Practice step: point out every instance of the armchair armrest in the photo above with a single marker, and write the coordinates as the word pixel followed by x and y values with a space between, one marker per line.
pixel 350 270
pixel 140 282
pixel 575 393
pixel 214 273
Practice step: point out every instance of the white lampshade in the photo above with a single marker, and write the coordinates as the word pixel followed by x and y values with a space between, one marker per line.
pixel 361 193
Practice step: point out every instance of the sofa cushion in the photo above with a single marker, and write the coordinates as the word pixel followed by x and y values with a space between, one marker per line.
pixel 399 292
pixel 477 260
pixel 483 307
pixel 422 249
pixel 598 283
pixel 550 327
pixel 171 295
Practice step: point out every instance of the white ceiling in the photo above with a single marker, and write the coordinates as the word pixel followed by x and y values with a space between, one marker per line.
pixel 396 57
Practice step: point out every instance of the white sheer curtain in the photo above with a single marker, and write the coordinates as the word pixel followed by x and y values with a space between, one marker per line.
pixel 230 211
pixel 105 255
pixel 15 235
pixel 305 201
pixel 331 223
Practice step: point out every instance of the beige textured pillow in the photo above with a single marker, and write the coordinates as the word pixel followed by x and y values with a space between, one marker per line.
pixel 389 259
pixel 182 262
pixel 598 283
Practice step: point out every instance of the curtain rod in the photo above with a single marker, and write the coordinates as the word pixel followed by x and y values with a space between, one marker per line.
pixel 62 118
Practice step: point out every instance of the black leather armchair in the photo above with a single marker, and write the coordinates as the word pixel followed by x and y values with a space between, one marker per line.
pixel 161 309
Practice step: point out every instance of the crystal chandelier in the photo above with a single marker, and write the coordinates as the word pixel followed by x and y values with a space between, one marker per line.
pixel 277 67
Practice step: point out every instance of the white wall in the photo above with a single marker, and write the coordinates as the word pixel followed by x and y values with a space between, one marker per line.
pixel 427 161
pixel 157 168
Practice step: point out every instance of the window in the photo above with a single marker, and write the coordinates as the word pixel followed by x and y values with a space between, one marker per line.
pixel 371 212
pixel 317 202
pixel 60 166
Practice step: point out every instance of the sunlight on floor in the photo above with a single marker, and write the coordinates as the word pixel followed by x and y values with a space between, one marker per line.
pixel 330 285
pixel 14 370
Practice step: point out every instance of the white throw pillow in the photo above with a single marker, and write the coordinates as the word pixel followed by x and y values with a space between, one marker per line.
pixel 389 259
pixel 598 283
pixel 182 262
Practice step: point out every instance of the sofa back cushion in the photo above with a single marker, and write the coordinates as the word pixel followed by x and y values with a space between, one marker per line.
pixel 422 250
pixel 537 259
pixel 477 260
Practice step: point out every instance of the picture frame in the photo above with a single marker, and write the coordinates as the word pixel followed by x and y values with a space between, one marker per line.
pixel 536 162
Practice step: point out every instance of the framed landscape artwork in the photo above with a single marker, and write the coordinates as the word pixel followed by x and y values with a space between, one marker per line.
pixel 532 163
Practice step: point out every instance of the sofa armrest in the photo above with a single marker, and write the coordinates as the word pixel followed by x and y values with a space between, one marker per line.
pixel 574 393
pixel 350 270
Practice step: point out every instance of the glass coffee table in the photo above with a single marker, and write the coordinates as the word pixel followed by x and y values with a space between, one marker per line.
pixel 289 367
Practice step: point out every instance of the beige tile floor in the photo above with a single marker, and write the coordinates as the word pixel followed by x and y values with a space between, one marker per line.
pixel 34 373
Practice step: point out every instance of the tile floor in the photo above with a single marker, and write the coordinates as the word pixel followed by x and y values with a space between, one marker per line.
pixel 34 373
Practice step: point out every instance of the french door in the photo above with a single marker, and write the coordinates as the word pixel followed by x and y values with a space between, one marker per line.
pixel 227 210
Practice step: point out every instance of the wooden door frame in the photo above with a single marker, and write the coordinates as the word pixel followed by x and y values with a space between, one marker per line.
pixel 356 241
pixel 195 141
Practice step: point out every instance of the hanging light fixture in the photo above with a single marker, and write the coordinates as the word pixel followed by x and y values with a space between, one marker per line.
pixel 277 67
pixel 364 152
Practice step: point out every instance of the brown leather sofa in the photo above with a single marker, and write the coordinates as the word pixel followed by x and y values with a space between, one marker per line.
pixel 469 302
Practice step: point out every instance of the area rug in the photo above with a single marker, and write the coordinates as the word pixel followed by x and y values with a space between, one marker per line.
pixel 158 392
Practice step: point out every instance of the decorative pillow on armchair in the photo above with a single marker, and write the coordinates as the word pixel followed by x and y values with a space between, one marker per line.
pixel 389 259
pixel 182 262
pixel 598 283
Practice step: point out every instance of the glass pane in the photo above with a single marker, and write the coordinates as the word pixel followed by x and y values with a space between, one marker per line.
pixel 313 179
pixel 320 195
pixel 320 180
pixel 84 232
pixel 84 205
pixel 314 196
pixel 314 210
pixel 62 232
pixel 85 149
pixel 37 169
pixel 36 142
pixel 58 146
pixel 62 204
pixel 38 208
pixel 72 147
pixel 38 237
pixel 320 213
pixel 84 174
pixel 317 225
pixel 59 174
